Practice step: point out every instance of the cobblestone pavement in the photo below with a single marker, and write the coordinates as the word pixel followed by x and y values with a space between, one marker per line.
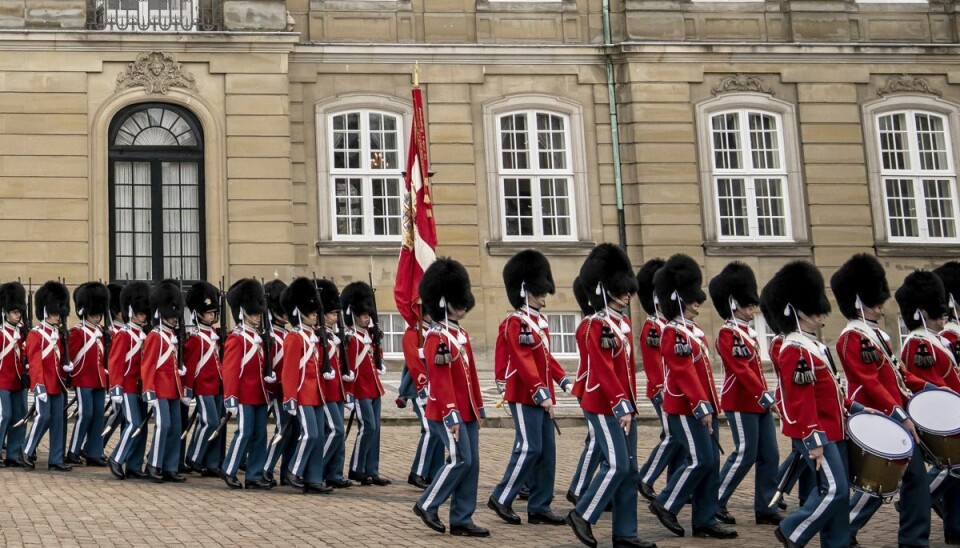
pixel 88 507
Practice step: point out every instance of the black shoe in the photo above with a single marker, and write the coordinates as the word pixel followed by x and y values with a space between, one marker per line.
pixel 581 528
pixel 173 477
pixel 952 541
pixel 770 519
pixel 3 465
pixel 782 504
pixel 646 491
pixel 97 462
pixel 269 477
pixel 231 481
pixel 524 493
pixel 184 469
pixel 667 518
pixel 293 481
pixel 365 480
pixel 59 467
pixel 380 481
pixel 316 489
pixel 210 473
pixel 340 483
pixel 194 466
pixel 632 542
pixel 354 476
pixel 72 458
pixel 262 485
pixel 505 512
pixel 26 462
pixel 572 498
pixel 714 531
pixel 133 473
pixel 854 543
pixel 430 519
pixel 154 474
pixel 417 481
pixel 723 516
pixel 545 518
pixel 117 470
pixel 32 458
pixel 471 530
pixel 13 463
pixel 787 543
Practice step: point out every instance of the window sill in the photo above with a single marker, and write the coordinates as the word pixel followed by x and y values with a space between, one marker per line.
pixel 918 249
pixel 565 249
pixel 526 6
pixel 329 247
pixel 361 5
pixel 738 249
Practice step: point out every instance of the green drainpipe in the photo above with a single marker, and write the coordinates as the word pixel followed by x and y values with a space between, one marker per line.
pixel 614 125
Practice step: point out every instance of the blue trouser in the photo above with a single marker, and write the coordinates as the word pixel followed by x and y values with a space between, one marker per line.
pixel 801 475
pixel 588 462
pixel 50 416
pixel 366 449
pixel 333 446
pixel 88 430
pixel 249 441
pixel 129 450
pixel 307 462
pixel 460 475
pixel 184 424
pixel 755 442
pixel 429 456
pixel 616 478
pixel 827 505
pixel 945 488
pixel 275 450
pixel 698 479
pixel 533 461
pixel 202 451
pixel 667 455
pixel 165 449
pixel 13 407
pixel 914 505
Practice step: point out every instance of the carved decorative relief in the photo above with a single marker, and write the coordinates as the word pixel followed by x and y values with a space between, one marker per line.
pixel 157 72
pixel 741 82
pixel 906 83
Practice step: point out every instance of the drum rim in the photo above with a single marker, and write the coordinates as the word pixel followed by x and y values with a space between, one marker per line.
pixel 905 455
pixel 928 430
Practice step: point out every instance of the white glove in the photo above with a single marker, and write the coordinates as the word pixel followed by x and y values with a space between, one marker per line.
pixel 382 370
pixel 182 371
pixel 68 367
pixel 231 410
pixel 116 399
pixel 292 409
pixel 271 379
pixel 501 387
pixel 349 377
pixel 349 406
pixel 330 375
pixel 185 400
pixel 42 397
pixel 422 402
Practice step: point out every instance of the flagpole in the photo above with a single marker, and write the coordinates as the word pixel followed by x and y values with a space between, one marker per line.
pixel 416 74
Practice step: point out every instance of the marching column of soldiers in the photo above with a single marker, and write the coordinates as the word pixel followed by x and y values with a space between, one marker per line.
pixel 886 426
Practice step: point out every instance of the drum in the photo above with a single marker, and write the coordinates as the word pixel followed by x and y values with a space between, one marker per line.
pixel 878 453
pixel 936 414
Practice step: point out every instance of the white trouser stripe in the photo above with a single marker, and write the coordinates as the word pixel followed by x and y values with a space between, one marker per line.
pixel 736 419
pixel 356 445
pixel 272 448
pixel 76 426
pixel 235 453
pixel 201 432
pixel 128 428
pixel 611 470
pixel 302 446
pixel 938 480
pixel 524 449
pixel 660 451
pixel 422 456
pixel 329 441
pixel 452 452
pixel 155 461
pixel 686 471
pixel 587 457
pixel 824 504
pixel 862 499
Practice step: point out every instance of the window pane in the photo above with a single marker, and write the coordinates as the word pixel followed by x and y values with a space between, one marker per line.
pixel 941 217
pixel 550 141
pixel 346 141
pixel 771 213
pixel 732 197
pixel 383 141
pixel 726 141
pixel 513 141
pixel 764 141
pixel 518 206
pixel 901 208
pixel 386 207
pixel 555 208
pixel 893 141
pixel 563 328
pixel 349 205
pixel 131 217
pixel 931 142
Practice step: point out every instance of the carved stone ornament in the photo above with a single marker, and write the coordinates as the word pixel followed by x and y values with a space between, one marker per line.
pixel 739 83
pixel 906 83
pixel 157 72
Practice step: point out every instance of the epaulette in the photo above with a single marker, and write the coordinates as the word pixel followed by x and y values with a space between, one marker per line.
pixel 653 337
pixel 803 374
pixel 740 349
pixel 923 358
pixel 868 354
pixel 682 346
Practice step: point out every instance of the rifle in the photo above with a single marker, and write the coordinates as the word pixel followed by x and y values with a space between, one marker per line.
pixel 266 333
pixel 344 364
pixel 222 328
pixel 376 335
pixel 321 329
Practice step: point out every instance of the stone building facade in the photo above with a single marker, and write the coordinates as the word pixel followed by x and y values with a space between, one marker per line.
pixel 267 138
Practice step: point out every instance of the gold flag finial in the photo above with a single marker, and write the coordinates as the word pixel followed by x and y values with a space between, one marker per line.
pixel 416 74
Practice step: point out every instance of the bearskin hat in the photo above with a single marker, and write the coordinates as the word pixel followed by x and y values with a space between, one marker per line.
pixel 949 274
pixel 645 284
pixel 247 295
pixel 445 283
pixel 13 297
pixel 272 291
pixel 329 295
pixel 203 297
pixel 736 281
pixel 114 290
pixel 527 273
pixel 680 278
pixel 166 300
pixel 135 299
pixel 798 286
pixel 91 299
pixel 773 320
pixel 863 277
pixel 921 290
pixel 300 297
pixel 357 299
pixel 609 266
pixel 582 296
pixel 54 298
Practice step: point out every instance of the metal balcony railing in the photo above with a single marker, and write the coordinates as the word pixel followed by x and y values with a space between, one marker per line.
pixel 155 15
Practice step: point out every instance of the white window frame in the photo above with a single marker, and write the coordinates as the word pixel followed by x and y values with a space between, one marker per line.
pixel 764 336
pixel 556 349
pixel 796 229
pixel 392 317
pixel 909 106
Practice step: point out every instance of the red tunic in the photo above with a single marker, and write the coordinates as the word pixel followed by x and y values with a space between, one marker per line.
pixel 158 367
pixel 611 384
pixel 580 382
pixel 332 388
pixel 688 387
pixel 650 356
pixel 943 372
pixel 201 357
pixel 43 357
pixel 87 356
pixel 412 344
pixel 276 360
pixel 11 358
pixel 366 383
pixel 744 384
pixel 529 370
pixel 454 388
pixel 301 369
pixel 243 359
pixel 126 351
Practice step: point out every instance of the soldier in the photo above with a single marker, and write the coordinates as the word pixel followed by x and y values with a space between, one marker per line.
pixel 334 447
pixel 124 365
pixel 245 386
pixel 813 407
pixel 45 357
pixel 116 324
pixel 280 448
pixel 365 360
pixel 13 374
pixel 455 405
pixel 162 382
pixel 530 370
pixel 745 398
pixel 609 401
pixel 413 386
pixel 947 496
pixel 589 457
pixel 690 402
pixel 302 393
pixel 201 356
pixel 88 373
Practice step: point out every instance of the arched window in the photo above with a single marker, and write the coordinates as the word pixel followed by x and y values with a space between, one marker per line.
pixel 156 194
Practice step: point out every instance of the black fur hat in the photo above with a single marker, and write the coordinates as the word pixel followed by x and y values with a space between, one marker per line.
pixel 773 320
pixel 300 297
pixel 115 290
pixel 203 297
pixel 272 291
pixel 527 272
pixel 356 299
pixel 445 280
pixel 135 299
pixel 166 300
pixel 13 297
pixel 645 288
pixel 680 278
pixel 54 298
pixel 921 290
pixel 736 281
pixel 949 274
pixel 246 294
pixel 91 299
pixel 582 296
pixel 329 295
pixel 609 266
pixel 863 277
pixel 800 285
